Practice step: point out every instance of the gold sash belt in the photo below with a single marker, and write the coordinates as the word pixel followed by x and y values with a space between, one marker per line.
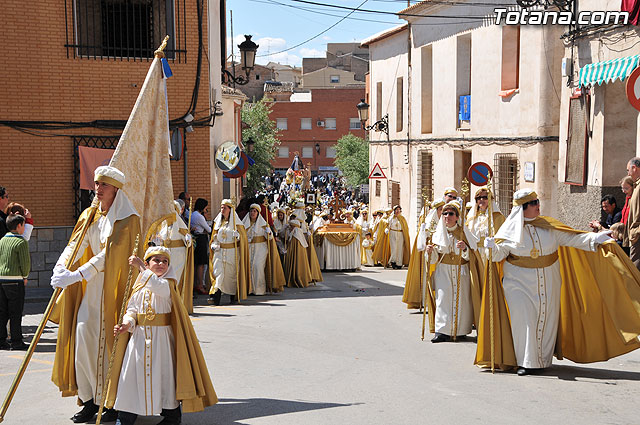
pixel 258 239
pixel 162 319
pixel 229 245
pixel 533 263
pixel 394 230
pixel 174 243
pixel 452 259
pixel 294 225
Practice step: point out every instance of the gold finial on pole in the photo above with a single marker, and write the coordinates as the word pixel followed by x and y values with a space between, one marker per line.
pixel 160 52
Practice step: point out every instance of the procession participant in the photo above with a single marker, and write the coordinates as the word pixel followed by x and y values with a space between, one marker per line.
pixel 455 273
pixel 412 295
pixel 377 217
pixel 584 306
pixel 363 225
pixel 175 235
pixel 348 217
pixel 381 249
pixel 363 220
pixel 314 265
pixel 367 245
pixel 478 219
pixel 450 194
pixel 280 225
pixel 162 348
pixel 201 231
pixel 266 268
pixel 229 268
pixel 398 232
pixel 296 262
pixel 88 311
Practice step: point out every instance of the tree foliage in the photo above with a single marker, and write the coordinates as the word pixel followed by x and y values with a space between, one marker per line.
pixel 264 133
pixel 352 159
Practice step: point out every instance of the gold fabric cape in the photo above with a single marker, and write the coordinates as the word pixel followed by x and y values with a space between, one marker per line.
pixel 296 265
pixel 413 284
pixel 193 384
pixel 599 306
pixel 273 268
pixel 406 246
pixel 244 274
pixel 185 288
pixel 476 284
pixel 314 265
pixel 116 269
pixel 382 250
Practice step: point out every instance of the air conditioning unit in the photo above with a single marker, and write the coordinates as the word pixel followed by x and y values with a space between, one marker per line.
pixel 320 123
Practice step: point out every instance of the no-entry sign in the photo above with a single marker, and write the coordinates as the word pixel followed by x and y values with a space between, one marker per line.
pixel 479 173
pixel 633 88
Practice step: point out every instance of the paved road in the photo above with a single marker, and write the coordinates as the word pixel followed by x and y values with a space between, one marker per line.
pixel 348 352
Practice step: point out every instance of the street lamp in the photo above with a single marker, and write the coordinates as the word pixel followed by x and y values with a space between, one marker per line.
pixel 363 113
pixel 248 51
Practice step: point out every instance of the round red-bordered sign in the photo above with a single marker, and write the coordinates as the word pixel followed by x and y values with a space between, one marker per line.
pixel 478 173
pixel 633 88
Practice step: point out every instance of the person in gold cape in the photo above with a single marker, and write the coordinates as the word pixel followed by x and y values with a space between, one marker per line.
pixel 381 249
pixel 413 295
pixel 229 268
pixel 398 231
pixel 296 263
pixel 163 364
pixel 94 286
pixel 455 277
pixel 567 291
pixel 174 235
pixel 266 268
pixel 312 257
pixel 478 221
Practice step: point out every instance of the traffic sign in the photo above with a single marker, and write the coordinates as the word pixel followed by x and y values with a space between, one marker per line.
pixel 633 88
pixel 377 172
pixel 479 173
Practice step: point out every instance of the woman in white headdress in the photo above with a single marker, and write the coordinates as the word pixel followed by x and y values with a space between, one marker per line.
pixel 229 267
pixel 258 233
pixel 532 280
pixel 478 218
pixel 296 262
pixel 452 279
pixel 280 225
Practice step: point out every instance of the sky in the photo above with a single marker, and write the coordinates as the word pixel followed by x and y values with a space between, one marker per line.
pixel 277 25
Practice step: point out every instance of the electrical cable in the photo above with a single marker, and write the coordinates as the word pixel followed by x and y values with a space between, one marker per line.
pixel 315 36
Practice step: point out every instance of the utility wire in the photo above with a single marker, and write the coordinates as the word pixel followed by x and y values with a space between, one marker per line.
pixel 391 13
pixel 317 35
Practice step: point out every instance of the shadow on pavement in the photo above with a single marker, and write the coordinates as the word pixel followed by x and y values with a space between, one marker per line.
pixel 230 411
pixel 573 373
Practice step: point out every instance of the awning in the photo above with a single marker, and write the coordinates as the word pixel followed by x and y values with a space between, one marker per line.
pixel 609 71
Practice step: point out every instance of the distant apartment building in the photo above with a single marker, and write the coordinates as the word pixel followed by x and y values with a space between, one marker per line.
pixel 311 123
pixel 350 57
pixel 262 75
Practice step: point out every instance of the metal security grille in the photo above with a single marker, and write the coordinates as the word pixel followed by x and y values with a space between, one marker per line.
pixel 425 167
pixel 125 29
pixel 505 168
pixel 394 193
pixel 83 197
pixel 378 188
pixel 575 171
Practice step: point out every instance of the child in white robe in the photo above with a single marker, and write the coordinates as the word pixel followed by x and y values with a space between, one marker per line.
pixel 147 380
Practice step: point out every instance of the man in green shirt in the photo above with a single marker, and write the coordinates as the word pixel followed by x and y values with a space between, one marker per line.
pixel 15 264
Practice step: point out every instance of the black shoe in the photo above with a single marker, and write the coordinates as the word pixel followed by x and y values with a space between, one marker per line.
pixel 109 415
pixel 126 418
pixel 4 345
pixel 234 300
pixel 522 371
pixel 86 414
pixel 441 338
pixel 393 265
pixel 214 299
pixel 171 416
pixel 21 346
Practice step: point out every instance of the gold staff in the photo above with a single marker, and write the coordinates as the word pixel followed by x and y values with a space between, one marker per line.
pixel 490 275
pixel 427 273
pixel 184 271
pixel 45 316
pixel 112 357
pixel 463 193
pixel 235 247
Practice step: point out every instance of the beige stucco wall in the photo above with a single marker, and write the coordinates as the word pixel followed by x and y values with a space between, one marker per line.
pixel 532 112
pixel 322 78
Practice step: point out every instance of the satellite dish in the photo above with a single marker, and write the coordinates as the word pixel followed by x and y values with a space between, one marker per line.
pixel 227 156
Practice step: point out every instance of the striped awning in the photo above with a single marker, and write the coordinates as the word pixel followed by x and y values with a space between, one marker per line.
pixel 606 72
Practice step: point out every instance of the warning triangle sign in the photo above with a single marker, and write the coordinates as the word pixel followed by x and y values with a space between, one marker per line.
pixel 377 172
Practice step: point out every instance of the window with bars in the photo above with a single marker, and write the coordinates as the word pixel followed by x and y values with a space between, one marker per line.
pixel 83 198
pixel 378 188
pixel 505 168
pixel 425 167
pixel 394 193
pixel 131 29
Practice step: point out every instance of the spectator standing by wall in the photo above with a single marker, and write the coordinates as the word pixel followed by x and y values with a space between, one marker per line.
pixel 4 200
pixel 15 265
pixel 633 222
pixel 201 231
